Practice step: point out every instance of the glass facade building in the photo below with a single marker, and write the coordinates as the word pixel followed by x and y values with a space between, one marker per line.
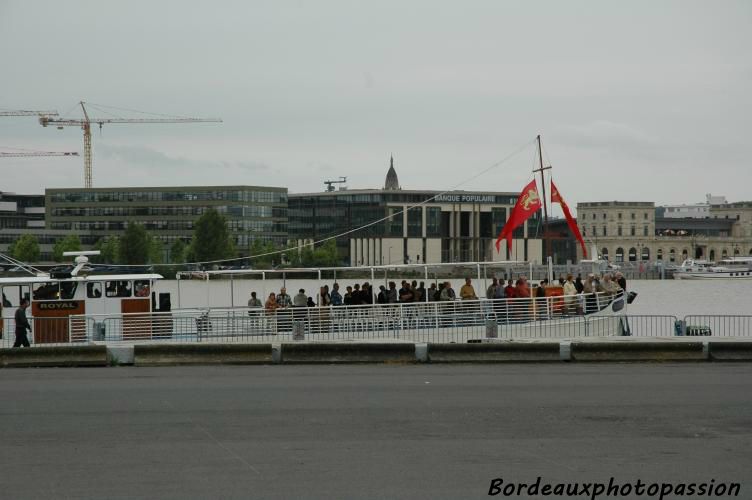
pixel 169 213
pixel 459 226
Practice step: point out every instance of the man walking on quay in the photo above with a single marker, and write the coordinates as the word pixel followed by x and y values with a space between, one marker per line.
pixel 22 324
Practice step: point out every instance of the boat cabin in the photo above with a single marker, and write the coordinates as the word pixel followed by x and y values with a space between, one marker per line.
pixel 53 300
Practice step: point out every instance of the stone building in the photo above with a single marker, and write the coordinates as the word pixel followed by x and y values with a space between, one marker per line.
pixel 625 231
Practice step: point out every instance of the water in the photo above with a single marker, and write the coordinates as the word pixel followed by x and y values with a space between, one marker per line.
pixel 674 297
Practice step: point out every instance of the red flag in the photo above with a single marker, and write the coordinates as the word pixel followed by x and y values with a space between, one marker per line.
pixel 557 198
pixel 527 204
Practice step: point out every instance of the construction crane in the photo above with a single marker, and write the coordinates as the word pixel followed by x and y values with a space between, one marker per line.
pixel 330 184
pixel 86 121
pixel 27 153
pixel 25 112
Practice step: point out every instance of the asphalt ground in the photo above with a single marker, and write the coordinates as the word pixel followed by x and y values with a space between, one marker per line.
pixel 344 432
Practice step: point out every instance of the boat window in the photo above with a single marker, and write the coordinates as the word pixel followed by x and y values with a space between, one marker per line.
pixel 117 289
pixel 141 288
pixel 94 290
pixel 46 291
pixel 68 289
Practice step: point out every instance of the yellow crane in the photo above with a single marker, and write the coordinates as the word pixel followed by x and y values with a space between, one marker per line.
pixel 86 121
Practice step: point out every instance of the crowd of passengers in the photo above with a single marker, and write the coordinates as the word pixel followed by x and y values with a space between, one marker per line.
pixel 411 292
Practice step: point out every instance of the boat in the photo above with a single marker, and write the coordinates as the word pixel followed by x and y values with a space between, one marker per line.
pixel 731 268
pixel 77 292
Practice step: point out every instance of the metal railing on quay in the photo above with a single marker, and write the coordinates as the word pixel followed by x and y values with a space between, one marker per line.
pixel 44 331
pixel 717 325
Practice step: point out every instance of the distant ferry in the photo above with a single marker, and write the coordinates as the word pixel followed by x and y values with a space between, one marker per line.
pixel 732 268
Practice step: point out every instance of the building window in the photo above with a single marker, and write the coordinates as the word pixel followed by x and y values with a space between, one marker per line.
pixel 605 233
pixel 604 215
pixel 645 216
pixel 645 254
pixel 618 231
pixel 620 254
pixel 619 215
pixel 584 231
pixel 632 254
pixel 604 253
pixel 672 255
pixel 712 254
pixel 645 230
pixel 659 254
pixel 633 216
pixel 632 231
pixel 593 215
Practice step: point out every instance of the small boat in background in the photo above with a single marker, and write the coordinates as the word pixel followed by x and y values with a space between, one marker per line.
pixel 731 268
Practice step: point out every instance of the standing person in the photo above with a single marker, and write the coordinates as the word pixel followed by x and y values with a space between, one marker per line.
pixel 509 290
pixel 271 304
pixel 422 292
pixel 405 293
pixel 283 300
pixel 300 300
pixel 254 302
pixel 569 295
pixel 417 297
pixel 22 324
pixel 391 294
pixel 431 292
pixel 324 298
pixel 447 293
pixel 355 296
pixel 348 299
pixel 382 297
pixel 491 290
pixel 335 296
pixel 578 284
pixel 467 292
pixel 621 280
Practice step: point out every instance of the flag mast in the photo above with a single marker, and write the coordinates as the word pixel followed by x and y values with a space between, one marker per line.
pixel 546 241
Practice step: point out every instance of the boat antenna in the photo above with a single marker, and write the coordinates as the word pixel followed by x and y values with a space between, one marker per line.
pixel 541 169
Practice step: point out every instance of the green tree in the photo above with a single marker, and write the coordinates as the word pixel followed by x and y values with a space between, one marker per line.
pixel 156 250
pixel 211 238
pixel 135 245
pixel 261 247
pixel 177 252
pixel 326 255
pixel 70 243
pixel 25 248
pixel 109 250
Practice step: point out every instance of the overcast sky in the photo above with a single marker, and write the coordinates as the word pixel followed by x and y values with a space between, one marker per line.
pixel 638 100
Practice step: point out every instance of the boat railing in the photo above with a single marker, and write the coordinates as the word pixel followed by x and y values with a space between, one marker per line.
pixel 419 320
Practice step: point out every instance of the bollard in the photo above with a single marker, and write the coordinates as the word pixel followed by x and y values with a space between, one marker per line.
pixel 298 330
pixel 492 330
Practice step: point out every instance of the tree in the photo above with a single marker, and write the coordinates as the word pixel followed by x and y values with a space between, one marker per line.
pixel 70 243
pixel 25 248
pixel 109 250
pixel 326 255
pixel 261 247
pixel 156 250
pixel 177 252
pixel 135 245
pixel 211 238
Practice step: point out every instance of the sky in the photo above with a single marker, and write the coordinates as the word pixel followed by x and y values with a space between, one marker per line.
pixel 635 101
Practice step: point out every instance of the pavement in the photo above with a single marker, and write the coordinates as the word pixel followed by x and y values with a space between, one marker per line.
pixel 375 431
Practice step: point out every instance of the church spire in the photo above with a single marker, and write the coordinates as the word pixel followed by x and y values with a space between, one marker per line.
pixel 391 183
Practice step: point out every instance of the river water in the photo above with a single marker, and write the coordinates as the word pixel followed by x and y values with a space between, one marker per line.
pixel 674 297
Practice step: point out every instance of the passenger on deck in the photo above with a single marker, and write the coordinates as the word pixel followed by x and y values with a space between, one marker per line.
pixel 324 299
pixel 406 294
pixel 467 292
pixel 301 299
pixel 491 290
pixel 578 284
pixel 447 293
pixel 570 301
pixel 271 304
pixel 336 297
pixel 621 280
pixel 382 297
pixel 348 299
pixel 392 296
pixel 509 291
pixel 254 301
pixel 432 292
pixel 283 300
